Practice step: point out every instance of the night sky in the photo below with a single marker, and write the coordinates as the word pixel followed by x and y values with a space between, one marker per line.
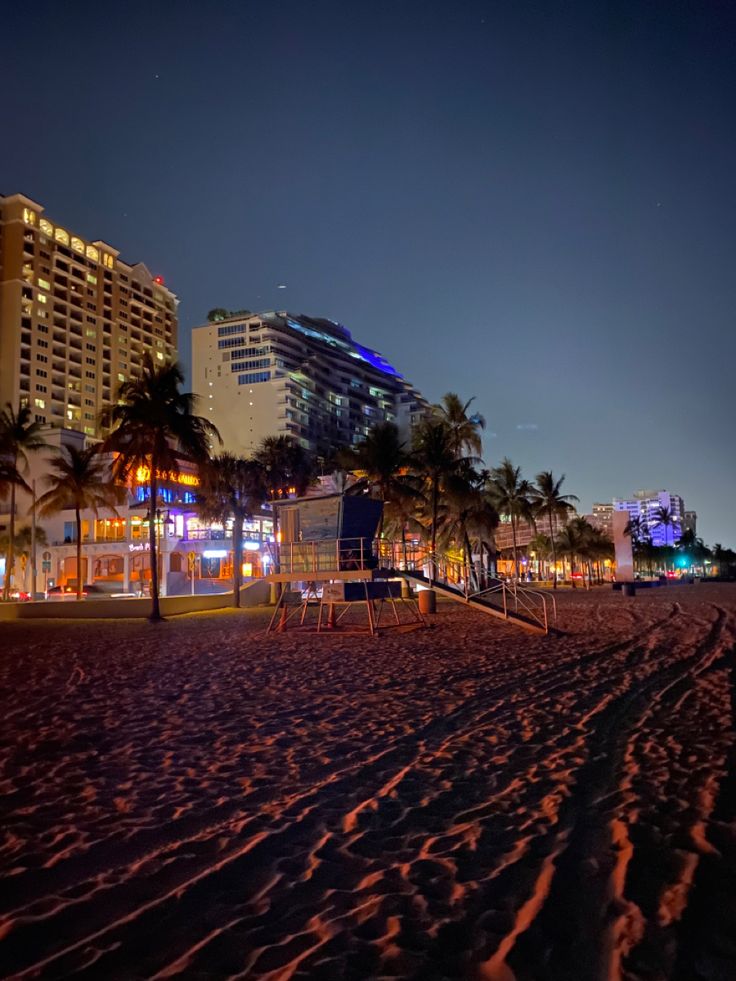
pixel 533 203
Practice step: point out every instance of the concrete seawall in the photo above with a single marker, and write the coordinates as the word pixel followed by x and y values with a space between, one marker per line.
pixel 254 594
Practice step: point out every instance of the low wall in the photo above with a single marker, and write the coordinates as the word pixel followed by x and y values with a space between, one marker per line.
pixel 254 594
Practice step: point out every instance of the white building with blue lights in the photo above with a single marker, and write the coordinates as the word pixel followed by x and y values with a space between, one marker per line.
pixel 273 374
pixel 645 507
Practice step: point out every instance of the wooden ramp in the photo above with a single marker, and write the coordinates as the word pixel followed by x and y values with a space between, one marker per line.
pixel 497 602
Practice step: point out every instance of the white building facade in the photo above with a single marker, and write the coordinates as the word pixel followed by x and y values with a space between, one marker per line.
pixel 276 374
pixel 645 506
pixel 195 556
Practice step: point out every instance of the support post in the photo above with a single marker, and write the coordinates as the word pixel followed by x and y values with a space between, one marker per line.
pixel 33 541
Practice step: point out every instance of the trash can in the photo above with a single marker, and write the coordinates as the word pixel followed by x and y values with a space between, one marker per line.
pixel 427 601
pixel 629 589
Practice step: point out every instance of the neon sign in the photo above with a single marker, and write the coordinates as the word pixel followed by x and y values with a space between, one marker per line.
pixel 143 475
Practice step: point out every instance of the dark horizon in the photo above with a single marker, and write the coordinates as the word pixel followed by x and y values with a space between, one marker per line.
pixel 534 206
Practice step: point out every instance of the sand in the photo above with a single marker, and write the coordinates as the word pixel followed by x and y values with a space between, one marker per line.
pixel 469 801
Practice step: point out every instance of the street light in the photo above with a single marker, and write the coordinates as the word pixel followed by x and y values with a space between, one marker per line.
pixel 160 516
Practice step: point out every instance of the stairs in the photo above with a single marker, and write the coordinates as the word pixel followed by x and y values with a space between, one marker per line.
pixel 492 604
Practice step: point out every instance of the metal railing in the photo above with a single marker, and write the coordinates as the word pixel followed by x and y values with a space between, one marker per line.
pixel 322 556
pixel 515 598
pixel 507 596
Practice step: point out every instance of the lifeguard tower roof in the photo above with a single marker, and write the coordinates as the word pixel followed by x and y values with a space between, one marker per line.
pixel 331 516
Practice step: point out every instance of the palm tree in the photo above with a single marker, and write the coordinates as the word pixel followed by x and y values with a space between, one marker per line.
pixel 589 545
pixel 549 501
pixel 664 518
pixel 382 461
pixel 600 547
pixel 543 547
pixel 509 494
pixel 232 487
pixel 718 555
pixel 571 542
pixel 22 546
pixel 153 424
pixel 285 464
pixel 464 429
pixel 461 505
pixel 434 457
pixel 79 479
pixel 20 435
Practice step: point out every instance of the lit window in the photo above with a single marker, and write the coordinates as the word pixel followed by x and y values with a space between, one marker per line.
pixel 92 253
pixel 47 227
pixel 44 284
pixel 91 279
pixel 42 298
pixel 29 217
pixel 78 245
pixel 107 260
pixel 40 403
pixel 121 376
pixel 159 355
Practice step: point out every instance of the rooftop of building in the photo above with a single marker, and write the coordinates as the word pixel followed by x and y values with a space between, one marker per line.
pixel 320 329
pixel 138 267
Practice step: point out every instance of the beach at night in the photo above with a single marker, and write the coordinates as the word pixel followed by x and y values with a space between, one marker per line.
pixel 196 798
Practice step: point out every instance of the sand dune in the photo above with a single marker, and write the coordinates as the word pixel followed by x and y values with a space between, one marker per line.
pixel 201 800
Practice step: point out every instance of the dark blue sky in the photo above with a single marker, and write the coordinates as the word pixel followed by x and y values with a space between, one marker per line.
pixel 533 203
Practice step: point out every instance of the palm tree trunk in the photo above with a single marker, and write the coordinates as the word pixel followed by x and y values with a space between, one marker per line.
pixel 379 529
pixel 10 559
pixel 470 574
pixel 153 552
pixel 572 570
pixel 513 538
pixel 554 551
pixel 433 543
pixel 78 519
pixel 237 557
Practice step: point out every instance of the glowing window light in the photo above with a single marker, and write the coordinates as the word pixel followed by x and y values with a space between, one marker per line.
pixel 61 236
pixel 92 253
pixel 46 227
pixel 78 245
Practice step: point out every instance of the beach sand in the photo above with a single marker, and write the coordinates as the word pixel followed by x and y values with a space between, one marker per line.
pixel 471 801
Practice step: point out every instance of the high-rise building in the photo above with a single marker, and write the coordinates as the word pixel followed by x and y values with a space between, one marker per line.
pixel 274 374
pixel 602 518
pixel 690 522
pixel 75 320
pixel 645 506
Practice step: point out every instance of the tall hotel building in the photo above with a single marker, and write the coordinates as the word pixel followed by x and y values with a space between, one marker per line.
pixel 75 320
pixel 285 374
pixel 644 507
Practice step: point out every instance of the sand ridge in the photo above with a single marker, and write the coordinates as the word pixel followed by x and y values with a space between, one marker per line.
pixel 470 801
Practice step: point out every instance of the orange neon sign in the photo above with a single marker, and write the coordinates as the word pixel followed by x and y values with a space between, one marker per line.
pixel 143 475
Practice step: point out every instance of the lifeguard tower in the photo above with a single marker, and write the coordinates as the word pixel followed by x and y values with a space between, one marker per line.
pixel 327 566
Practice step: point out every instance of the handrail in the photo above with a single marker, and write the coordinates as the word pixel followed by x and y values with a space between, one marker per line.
pixel 322 556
